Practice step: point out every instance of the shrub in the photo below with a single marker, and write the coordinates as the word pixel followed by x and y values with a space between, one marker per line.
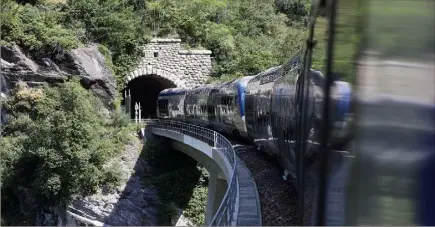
pixel 36 29
pixel 55 147
pixel 178 180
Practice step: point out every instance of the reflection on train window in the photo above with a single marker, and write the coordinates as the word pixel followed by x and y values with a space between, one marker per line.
pixel 175 107
pixel 163 107
pixel 190 108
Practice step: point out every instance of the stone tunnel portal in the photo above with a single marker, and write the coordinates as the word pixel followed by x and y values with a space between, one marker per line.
pixel 145 90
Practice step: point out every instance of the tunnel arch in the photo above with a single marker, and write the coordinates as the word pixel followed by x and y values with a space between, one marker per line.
pixel 144 90
pixel 150 70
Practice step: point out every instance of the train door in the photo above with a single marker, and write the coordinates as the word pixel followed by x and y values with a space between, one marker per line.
pixel 163 108
pixel 256 102
pixel 211 107
pixel 249 113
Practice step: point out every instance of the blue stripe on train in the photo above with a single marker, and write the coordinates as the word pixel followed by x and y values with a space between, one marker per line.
pixel 343 105
pixel 172 93
pixel 241 94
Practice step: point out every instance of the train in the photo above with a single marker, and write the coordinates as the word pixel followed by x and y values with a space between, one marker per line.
pixel 262 109
pixel 373 163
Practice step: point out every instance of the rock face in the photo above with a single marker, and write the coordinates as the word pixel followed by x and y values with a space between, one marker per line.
pixel 166 58
pixel 132 204
pixel 3 91
pixel 86 63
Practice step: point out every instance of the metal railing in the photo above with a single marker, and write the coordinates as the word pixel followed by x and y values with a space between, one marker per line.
pixel 227 211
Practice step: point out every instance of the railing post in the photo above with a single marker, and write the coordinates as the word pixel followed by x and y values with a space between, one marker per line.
pixel 140 115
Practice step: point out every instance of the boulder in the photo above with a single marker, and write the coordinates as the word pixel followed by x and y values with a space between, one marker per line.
pixel 84 62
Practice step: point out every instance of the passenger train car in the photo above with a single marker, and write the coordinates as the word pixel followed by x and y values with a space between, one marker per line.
pixel 196 105
pixel 263 108
pixel 170 104
pixel 258 108
pixel 303 116
pixel 267 110
pixel 227 108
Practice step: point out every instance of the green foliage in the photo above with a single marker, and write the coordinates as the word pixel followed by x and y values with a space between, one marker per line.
pixel 178 180
pixel 46 30
pixel 112 24
pixel 55 147
pixel 296 10
pixel 246 36
pixel 196 207
pixel 35 29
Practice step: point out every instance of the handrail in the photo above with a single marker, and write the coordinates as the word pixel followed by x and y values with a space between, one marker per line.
pixel 227 211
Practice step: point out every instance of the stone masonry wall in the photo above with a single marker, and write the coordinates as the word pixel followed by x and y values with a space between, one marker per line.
pixel 166 58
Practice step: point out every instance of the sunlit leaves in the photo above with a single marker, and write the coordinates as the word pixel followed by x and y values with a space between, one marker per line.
pixel 61 149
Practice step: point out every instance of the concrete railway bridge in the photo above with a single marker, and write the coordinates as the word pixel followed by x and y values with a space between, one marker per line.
pixel 232 194
pixel 232 198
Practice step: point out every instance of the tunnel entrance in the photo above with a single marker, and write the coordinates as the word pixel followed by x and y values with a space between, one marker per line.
pixel 145 90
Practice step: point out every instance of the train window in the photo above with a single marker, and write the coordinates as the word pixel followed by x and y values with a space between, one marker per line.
pixel 191 109
pixel 163 106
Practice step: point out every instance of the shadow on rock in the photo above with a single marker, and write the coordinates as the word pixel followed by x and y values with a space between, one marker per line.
pixel 132 204
pixel 162 182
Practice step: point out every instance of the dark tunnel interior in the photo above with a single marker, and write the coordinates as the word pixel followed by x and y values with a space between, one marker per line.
pixel 144 90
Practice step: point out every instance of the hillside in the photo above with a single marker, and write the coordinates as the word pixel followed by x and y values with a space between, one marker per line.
pixel 246 36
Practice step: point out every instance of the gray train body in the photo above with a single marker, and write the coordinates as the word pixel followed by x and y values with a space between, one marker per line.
pixel 196 105
pixel 227 113
pixel 264 109
pixel 258 109
pixel 170 104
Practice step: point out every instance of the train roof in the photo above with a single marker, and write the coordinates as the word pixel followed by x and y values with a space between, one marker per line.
pixel 173 91
pixel 268 75
pixel 203 89
pixel 244 80
pixel 292 62
pixel 228 83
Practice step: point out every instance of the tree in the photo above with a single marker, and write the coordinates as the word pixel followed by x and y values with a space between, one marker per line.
pixel 56 146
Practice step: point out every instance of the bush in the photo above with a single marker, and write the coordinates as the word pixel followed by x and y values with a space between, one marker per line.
pixel 55 147
pixel 246 36
pixel 196 208
pixel 178 180
pixel 115 26
pixel 36 29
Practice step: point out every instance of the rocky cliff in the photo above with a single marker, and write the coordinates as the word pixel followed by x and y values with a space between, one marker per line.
pixel 131 204
pixel 87 63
